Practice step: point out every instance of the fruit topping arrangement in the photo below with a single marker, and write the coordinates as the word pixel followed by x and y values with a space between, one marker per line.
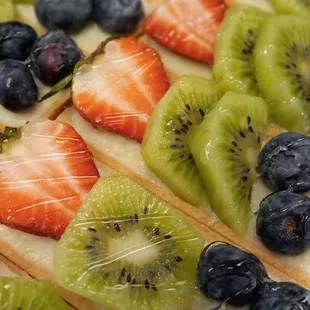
pixel 254 54
pixel 282 70
pixel 46 172
pixel 50 58
pixel 53 56
pixel 127 249
pixel 238 278
pixel 217 158
pixel 208 141
pixel 202 138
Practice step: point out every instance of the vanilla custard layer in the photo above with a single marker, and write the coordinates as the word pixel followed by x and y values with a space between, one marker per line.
pixel 38 252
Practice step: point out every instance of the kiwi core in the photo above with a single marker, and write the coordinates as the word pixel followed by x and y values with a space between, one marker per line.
pixel 134 248
pixel 250 156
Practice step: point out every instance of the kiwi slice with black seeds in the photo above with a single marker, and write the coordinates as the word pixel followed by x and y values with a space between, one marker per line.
pixel 225 149
pixel 233 64
pixel 29 294
pixel 282 67
pixel 127 249
pixel 295 7
pixel 165 147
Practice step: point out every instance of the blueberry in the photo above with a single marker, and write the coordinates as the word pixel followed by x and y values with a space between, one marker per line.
pixel 283 222
pixel 67 15
pixel 283 296
pixel 226 273
pixel 18 90
pixel 285 162
pixel 118 16
pixel 16 40
pixel 53 57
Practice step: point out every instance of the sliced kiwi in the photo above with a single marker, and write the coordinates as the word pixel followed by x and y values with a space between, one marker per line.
pixel 29 294
pixel 6 11
pixel 233 64
pixel 127 249
pixel 225 149
pixel 282 67
pixel 295 7
pixel 165 146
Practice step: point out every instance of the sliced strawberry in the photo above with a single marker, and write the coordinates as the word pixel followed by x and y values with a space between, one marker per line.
pixel 121 87
pixel 187 27
pixel 45 175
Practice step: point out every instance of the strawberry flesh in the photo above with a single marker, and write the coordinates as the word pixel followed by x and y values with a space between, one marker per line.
pixel 187 27
pixel 45 176
pixel 121 88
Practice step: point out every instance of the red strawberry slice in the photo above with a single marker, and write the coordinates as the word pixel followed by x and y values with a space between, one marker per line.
pixel 45 176
pixel 187 27
pixel 121 87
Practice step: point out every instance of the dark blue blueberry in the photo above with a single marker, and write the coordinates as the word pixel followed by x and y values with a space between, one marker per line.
pixel 67 15
pixel 16 40
pixel 228 274
pixel 285 162
pixel 283 222
pixel 18 90
pixel 118 16
pixel 53 57
pixel 283 296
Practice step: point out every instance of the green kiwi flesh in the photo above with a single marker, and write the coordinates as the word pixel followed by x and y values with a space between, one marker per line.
pixel 165 147
pixel 225 149
pixel 29 294
pixel 127 249
pixel 282 67
pixel 233 64
pixel 6 11
pixel 295 7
